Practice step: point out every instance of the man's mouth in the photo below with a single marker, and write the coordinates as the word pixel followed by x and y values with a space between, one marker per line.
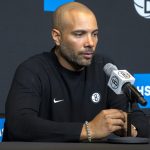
pixel 87 55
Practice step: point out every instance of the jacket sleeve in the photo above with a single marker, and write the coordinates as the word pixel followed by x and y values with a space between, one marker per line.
pixel 22 113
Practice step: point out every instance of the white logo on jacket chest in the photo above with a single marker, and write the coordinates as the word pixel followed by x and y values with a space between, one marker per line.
pixel 57 101
pixel 96 97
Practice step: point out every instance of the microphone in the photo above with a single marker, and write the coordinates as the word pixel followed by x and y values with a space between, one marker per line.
pixel 121 81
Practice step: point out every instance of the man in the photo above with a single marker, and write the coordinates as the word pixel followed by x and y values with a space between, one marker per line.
pixel 63 95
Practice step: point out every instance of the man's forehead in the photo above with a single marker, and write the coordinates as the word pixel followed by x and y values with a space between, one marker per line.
pixel 76 16
pixel 80 21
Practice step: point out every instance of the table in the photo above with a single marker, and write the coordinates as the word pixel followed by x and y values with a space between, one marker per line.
pixel 70 146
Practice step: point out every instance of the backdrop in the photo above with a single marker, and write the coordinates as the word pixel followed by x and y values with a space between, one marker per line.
pixel 124 36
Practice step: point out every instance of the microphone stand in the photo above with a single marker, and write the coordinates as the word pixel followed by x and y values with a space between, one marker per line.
pixel 129 139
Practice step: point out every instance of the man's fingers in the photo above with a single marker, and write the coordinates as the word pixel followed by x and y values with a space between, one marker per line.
pixel 114 128
pixel 117 115
pixel 117 122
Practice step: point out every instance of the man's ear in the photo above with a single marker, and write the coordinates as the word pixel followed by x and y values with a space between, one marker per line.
pixel 56 35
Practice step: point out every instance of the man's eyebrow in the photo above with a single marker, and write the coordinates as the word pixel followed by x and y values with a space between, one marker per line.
pixel 82 30
pixel 96 30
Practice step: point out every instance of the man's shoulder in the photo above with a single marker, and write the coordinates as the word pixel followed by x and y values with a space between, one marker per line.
pixel 35 62
pixel 37 58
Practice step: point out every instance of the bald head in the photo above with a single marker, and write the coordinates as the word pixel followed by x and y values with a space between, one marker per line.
pixel 62 14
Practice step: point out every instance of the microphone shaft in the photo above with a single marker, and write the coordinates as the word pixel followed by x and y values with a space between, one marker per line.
pixel 129 89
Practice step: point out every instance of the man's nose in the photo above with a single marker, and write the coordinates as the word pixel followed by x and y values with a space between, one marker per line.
pixel 89 41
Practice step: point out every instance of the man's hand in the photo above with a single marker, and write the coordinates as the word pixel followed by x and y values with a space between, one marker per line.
pixel 105 123
pixel 123 131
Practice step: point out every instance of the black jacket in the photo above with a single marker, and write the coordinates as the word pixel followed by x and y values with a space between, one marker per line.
pixel 47 102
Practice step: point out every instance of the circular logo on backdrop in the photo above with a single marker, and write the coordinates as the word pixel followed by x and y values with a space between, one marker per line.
pixel 143 8
pixel 96 97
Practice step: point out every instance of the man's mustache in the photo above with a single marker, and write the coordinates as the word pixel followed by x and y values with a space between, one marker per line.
pixel 89 50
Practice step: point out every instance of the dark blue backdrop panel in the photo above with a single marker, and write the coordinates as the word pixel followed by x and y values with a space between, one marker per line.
pixel 25 31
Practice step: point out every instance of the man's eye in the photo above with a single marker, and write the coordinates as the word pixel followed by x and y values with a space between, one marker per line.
pixel 95 34
pixel 78 34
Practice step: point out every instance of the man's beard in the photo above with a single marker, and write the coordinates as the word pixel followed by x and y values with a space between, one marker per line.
pixel 75 60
